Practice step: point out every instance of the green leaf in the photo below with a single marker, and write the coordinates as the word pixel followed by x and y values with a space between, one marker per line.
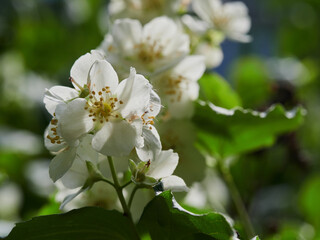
pixel 89 223
pixel 216 89
pixel 226 133
pixel 164 218
pixel 251 81
pixel 310 198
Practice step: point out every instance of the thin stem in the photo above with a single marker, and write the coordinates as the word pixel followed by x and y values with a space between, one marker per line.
pixel 107 181
pixel 126 184
pixel 236 197
pixel 118 188
pixel 132 195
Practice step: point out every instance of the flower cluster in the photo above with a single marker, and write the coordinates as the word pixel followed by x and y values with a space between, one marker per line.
pixel 143 77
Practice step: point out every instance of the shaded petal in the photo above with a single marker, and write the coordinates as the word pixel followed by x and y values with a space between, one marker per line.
pixel 56 95
pixel 152 144
pixel 116 138
pixel 77 175
pixel 61 163
pixel 126 34
pixel 174 183
pixel 102 74
pixel 75 120
pixel 213 55
pixel 52 147
pixel 164 164
pixel 80 69
pixel 134 92
pixel 205 9
pixel 191 67
pixel 181 109
pixel 70 197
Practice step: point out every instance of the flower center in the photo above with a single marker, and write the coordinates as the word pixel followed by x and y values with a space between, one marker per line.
pixel 53 135
pixel 173 87
pixel 102 107
pixel 150 51
pixel 220 22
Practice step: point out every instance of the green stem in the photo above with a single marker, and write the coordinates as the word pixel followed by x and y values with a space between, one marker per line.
pixel 107 181
pixel 118 188
pixel 236 197
pixel 132 195
pixel 126 184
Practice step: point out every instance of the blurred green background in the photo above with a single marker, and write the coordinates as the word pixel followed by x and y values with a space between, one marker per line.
pixel 41 39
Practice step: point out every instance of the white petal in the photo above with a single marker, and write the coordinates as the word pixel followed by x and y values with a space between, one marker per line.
pixel 155 104
pixel 195 25
pixel 85 152
pixel 183 108
pixel 191 67
pixel 164 164
pixel 61 163
pixel 70 197
pixel 75 120
pixel 213 55
pixel 56 95
pixel 174 183
pixel 102 74
pixel 77 175
pixel 134 92
pixel 80 69
pixel 205 9
pixel 126 34
pixel 116 138
pixel 152 144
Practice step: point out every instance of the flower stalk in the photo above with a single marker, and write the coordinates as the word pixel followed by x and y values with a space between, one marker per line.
pixel 237 200
pixel 118 188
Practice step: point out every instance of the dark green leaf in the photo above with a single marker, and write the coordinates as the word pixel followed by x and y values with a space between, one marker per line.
pixel 217 90
pixel 230 132
pixel 163 219
pixel 86 223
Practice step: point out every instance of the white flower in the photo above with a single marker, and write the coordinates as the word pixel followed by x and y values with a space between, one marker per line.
pixel 158 169
pixel 151 49
pixel 230 18
pixel 179 87
pixel 143 10
pixel 113 112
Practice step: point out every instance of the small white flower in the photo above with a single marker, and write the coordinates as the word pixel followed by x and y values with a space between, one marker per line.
pixel 231 18
pixel 113 112
pixel 159 169
pixel 179 87
pixel 151 49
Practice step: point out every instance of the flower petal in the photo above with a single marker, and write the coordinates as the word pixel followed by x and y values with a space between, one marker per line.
pixel 102 74
pixel 126 34
pixel 174 183
pixel 116 138
pixel 80 69
pixel 205 9
pixel 61 163
pixel 75 120
pixel 77 175
pixel 152 144
pixel 134 92
pixel 191 67
pixel 56 95
pixel 164 164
